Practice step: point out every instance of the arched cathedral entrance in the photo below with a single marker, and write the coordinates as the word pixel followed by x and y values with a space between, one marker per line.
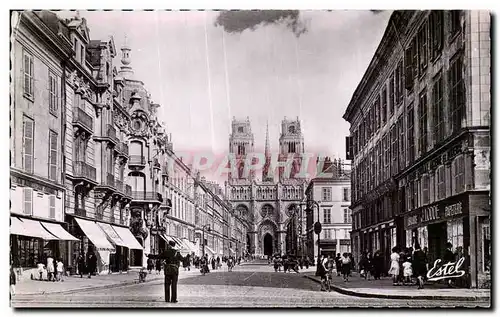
pixel 268 244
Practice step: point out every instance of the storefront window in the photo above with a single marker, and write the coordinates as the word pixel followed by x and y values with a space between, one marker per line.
pixel 409 239
pixel 26 251
pixel 456 233
pixel 423 237
pixel 486 247
pixel 393 237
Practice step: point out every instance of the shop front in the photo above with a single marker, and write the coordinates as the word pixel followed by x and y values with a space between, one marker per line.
pixel 33 241
pixel 463 221
pixel 328 247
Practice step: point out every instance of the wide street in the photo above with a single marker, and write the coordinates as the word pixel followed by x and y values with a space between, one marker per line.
pixel 250 285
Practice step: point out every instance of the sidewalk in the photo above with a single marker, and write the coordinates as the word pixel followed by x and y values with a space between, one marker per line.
pixel 75 283
pixel 357 286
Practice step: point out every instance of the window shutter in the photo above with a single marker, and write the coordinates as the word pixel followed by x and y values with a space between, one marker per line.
pixel 28 200
pixel 53 156
pixel 28 145
pixel 52 206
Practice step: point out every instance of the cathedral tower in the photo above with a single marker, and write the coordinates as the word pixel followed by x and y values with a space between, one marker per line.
pixel 241 143
pixel 291 144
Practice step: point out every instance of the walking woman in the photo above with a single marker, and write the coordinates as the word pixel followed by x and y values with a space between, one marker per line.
pixel 81 264
pixel 419 265
pixel 394 268
pixel 346 266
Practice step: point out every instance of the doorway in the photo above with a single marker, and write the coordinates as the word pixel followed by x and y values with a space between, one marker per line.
pixel 268 244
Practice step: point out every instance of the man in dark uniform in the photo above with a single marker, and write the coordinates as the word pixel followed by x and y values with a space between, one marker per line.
pixel 172 259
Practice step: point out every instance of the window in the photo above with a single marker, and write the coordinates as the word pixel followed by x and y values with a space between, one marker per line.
pixel 327 216
pixel 383 110
pixel 425 189
pixel 52 155
pixel 441 189
pixel 455 233
pixel 28 200
pixel 326 194
pixel 28 134
pixel 53 101
pixel 241 149
pixel 347 215
pixel 458 167
pixel 391 99
pixel 28 72
pixel 486 246
pixel 411 64
pixel 368 122
pixel 82 54
pixel 291 129
pixel 457 94
pixel 438 109
pixel 436 33
pixel 423 48
pixel 394 149
pixel 291 147
pixel 410 135
pixel 455 21
pixel 240 129
pixel 422 139
pixel 376 111
pixel 398 84
pixel 345 196
pixel 52 206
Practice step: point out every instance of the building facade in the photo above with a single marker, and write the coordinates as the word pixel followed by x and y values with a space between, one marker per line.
pixel 420 137
pixel 331 190
pixel 267 205
pixel 37 192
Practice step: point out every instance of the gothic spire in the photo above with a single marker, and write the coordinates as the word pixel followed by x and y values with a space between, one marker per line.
pixel 267 151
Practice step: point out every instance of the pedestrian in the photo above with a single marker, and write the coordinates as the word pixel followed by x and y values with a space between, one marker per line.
pixel 59 270
pixel 12 281
pixel 306 262
pixel 407 271
pixel 91 263
pixel 80 264
pixel 378 265
pixel 338 264
pixel 363 263
pixel 419 265
pixel 352 263
pixel 321 271
pixel 50 269
pixel 213 263
pixel 369 265
pixel 40 269
pixel 150 265
pixel 158 266
pixel 448 257
pixel 172 260
pixel 346 266
pixel 394 266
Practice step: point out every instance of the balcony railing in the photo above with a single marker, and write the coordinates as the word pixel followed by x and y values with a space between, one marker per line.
pixel 128 190
pixel 137 160
pixel 82 169
pixel 110 180
pixel 80 117
pixel 142 195
pixel 111 133
pixel 119 185
pixel 124 148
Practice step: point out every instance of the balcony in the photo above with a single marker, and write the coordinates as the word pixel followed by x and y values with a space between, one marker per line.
pixel 128 190
pixel 156 164
pixel 84 172
pixel 142 196
pixel 82 121
pixel 122 149
pixel 119 186
pixel 136 162
pixel 111 134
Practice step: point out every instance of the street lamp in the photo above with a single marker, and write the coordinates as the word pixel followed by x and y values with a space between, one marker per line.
pixel 203 237
pixel 317 230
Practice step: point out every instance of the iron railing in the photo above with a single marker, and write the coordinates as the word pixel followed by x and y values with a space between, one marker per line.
pixel 137 160
pixel 81 117
pixel 82 169
pixel 119 185
pixel 143 195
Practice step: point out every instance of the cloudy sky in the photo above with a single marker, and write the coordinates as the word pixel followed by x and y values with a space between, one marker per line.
pixel 203 74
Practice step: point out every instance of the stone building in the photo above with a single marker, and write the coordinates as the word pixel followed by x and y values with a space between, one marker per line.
pixel 420 133
pixel 331 190
pixel 268 204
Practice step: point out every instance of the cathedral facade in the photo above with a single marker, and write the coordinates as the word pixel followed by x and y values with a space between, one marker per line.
pixel 270 203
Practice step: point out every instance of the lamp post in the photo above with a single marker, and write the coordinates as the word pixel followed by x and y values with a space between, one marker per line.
pixel 203 238
pixel 317 229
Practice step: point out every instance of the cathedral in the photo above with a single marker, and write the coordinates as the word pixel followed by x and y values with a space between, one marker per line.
pixel 269 204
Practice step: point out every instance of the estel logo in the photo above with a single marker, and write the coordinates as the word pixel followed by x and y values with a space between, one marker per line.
pixel 448 270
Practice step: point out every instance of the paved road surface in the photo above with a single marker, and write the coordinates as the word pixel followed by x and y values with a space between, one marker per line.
pixel 246 286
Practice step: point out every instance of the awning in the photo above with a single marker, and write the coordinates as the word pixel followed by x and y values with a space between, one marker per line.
pixel 207 248
pixel 181 245
pixel 190 245
pixel 111 233
pixel 31 228
pixel 95 234
pixel 16 226
pixel 58 231
pixel 127 237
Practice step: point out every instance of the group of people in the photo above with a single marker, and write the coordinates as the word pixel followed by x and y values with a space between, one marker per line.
pixel 53 268
pixel 342 264
pixel 289 263
pixel 87 266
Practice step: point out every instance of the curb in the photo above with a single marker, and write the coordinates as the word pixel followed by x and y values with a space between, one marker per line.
pixel 346 291
pixel 91 288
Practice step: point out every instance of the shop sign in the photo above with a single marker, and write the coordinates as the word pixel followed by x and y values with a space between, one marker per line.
pixel 433 213
pixel 453 210
pixel 448 270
